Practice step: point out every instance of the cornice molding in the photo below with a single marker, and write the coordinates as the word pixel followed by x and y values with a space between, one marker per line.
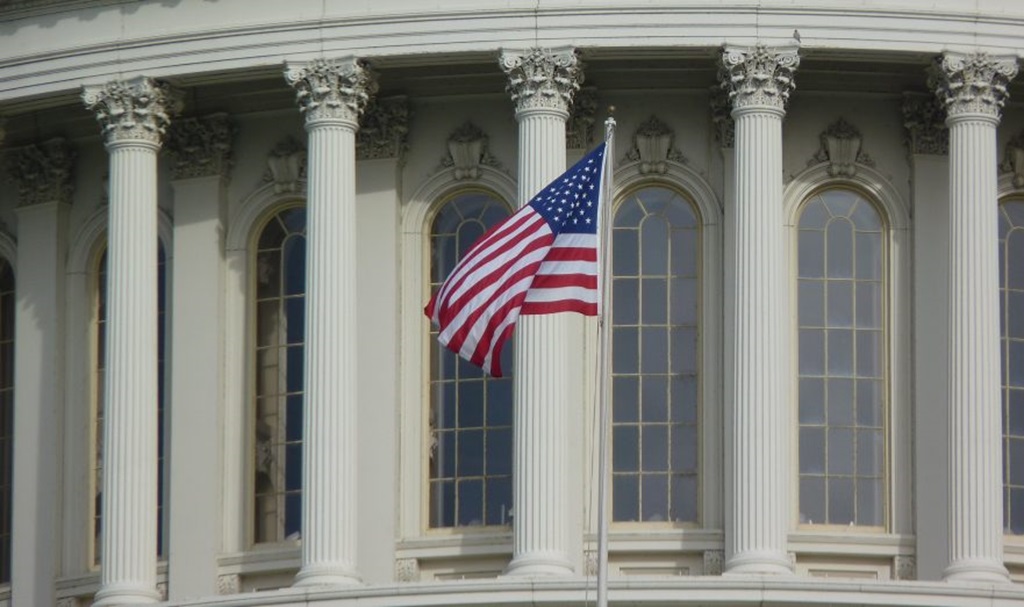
pixel 200 147
pixel 43 173
pixel 542 78
pixel 332 89
pixel 136 109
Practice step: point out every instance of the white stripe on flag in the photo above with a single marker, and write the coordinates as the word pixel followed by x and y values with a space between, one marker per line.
pixel 562 293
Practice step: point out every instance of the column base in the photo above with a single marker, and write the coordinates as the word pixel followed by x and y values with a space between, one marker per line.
pixel 977 570
pixel 539 565
pixel 759 563
pixel 327 575
pixel 125 594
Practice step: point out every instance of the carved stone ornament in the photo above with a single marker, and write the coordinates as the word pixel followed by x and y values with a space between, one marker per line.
pixel 714 560
pixel 1013 160
pixel 721 118
pixel 229 584
pixel 332 89
pixel 924 117
pixel 136 109
pixel 758 76
pixel 407 570
pixel 904 567
pixel 467 152
pixel 579 129
pixel 972 83
pixel 841 149
pixel 68 601
pixel 542 78
pixel 384 130
pixel 200 147
pixel 590 563
pixel 286 166
pixel 43 173
pixel 652 147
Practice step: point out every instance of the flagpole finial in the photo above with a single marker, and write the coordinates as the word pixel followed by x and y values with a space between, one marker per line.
pixel 609 123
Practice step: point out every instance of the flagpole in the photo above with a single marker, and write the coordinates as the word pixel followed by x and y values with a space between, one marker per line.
pixel 603 366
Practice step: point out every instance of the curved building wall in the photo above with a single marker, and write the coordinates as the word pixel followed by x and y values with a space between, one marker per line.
pixel 714 503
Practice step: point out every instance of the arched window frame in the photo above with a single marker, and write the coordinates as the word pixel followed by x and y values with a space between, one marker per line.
pixel 84 253
pixel 416 222
pixel 1013 545
pixel 239 383
pixel 665 537
pixel 875 188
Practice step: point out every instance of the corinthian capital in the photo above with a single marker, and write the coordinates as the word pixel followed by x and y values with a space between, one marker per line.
pixel 542 78
pixel 42 172
pixel 138 109
pixel 758 76
pixel 200 147
pixel 972 83
pixel 332 89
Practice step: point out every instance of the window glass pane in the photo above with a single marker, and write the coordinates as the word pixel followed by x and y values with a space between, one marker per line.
pixel 280 267
pixel 470 444
pixel 655 358
pixel 841 414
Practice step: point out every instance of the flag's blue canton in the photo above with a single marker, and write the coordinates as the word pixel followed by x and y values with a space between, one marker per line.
pixel 569 205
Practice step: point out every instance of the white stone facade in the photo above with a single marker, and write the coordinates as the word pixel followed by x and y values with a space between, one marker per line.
pixel 294 457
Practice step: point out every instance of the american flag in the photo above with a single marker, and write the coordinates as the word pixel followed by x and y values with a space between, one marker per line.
pixel 541 260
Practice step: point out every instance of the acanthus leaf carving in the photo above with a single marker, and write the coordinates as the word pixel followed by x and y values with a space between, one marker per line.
pixel 407 570
pixel 384 129
pixel 200 147
pixel 579 129
pixel 721 118
pixel 972 83
pixel 542 78
pixel 924 118
pixel 332 89
pixel 759 76
pixel 136 109
pixel 43 173
pixel 652 147
pixel 229 584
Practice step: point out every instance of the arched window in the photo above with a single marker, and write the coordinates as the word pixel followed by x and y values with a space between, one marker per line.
pixel 842 360
pixel 656 347
pixel 470 417
pixel 100 291
pixel 6 415
pixel 1011 299
pixel 279 287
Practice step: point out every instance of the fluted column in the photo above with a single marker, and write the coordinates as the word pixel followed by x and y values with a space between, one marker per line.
pixel 758 81
pixel 133 115
pixel 973 88
pixel 542 85
pixel 332 95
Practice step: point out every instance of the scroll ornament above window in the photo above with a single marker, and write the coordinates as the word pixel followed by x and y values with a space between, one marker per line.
pixel 841 149
pixel 652 147
pixel 286 166
pixel 1013 160
pixel 468 151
